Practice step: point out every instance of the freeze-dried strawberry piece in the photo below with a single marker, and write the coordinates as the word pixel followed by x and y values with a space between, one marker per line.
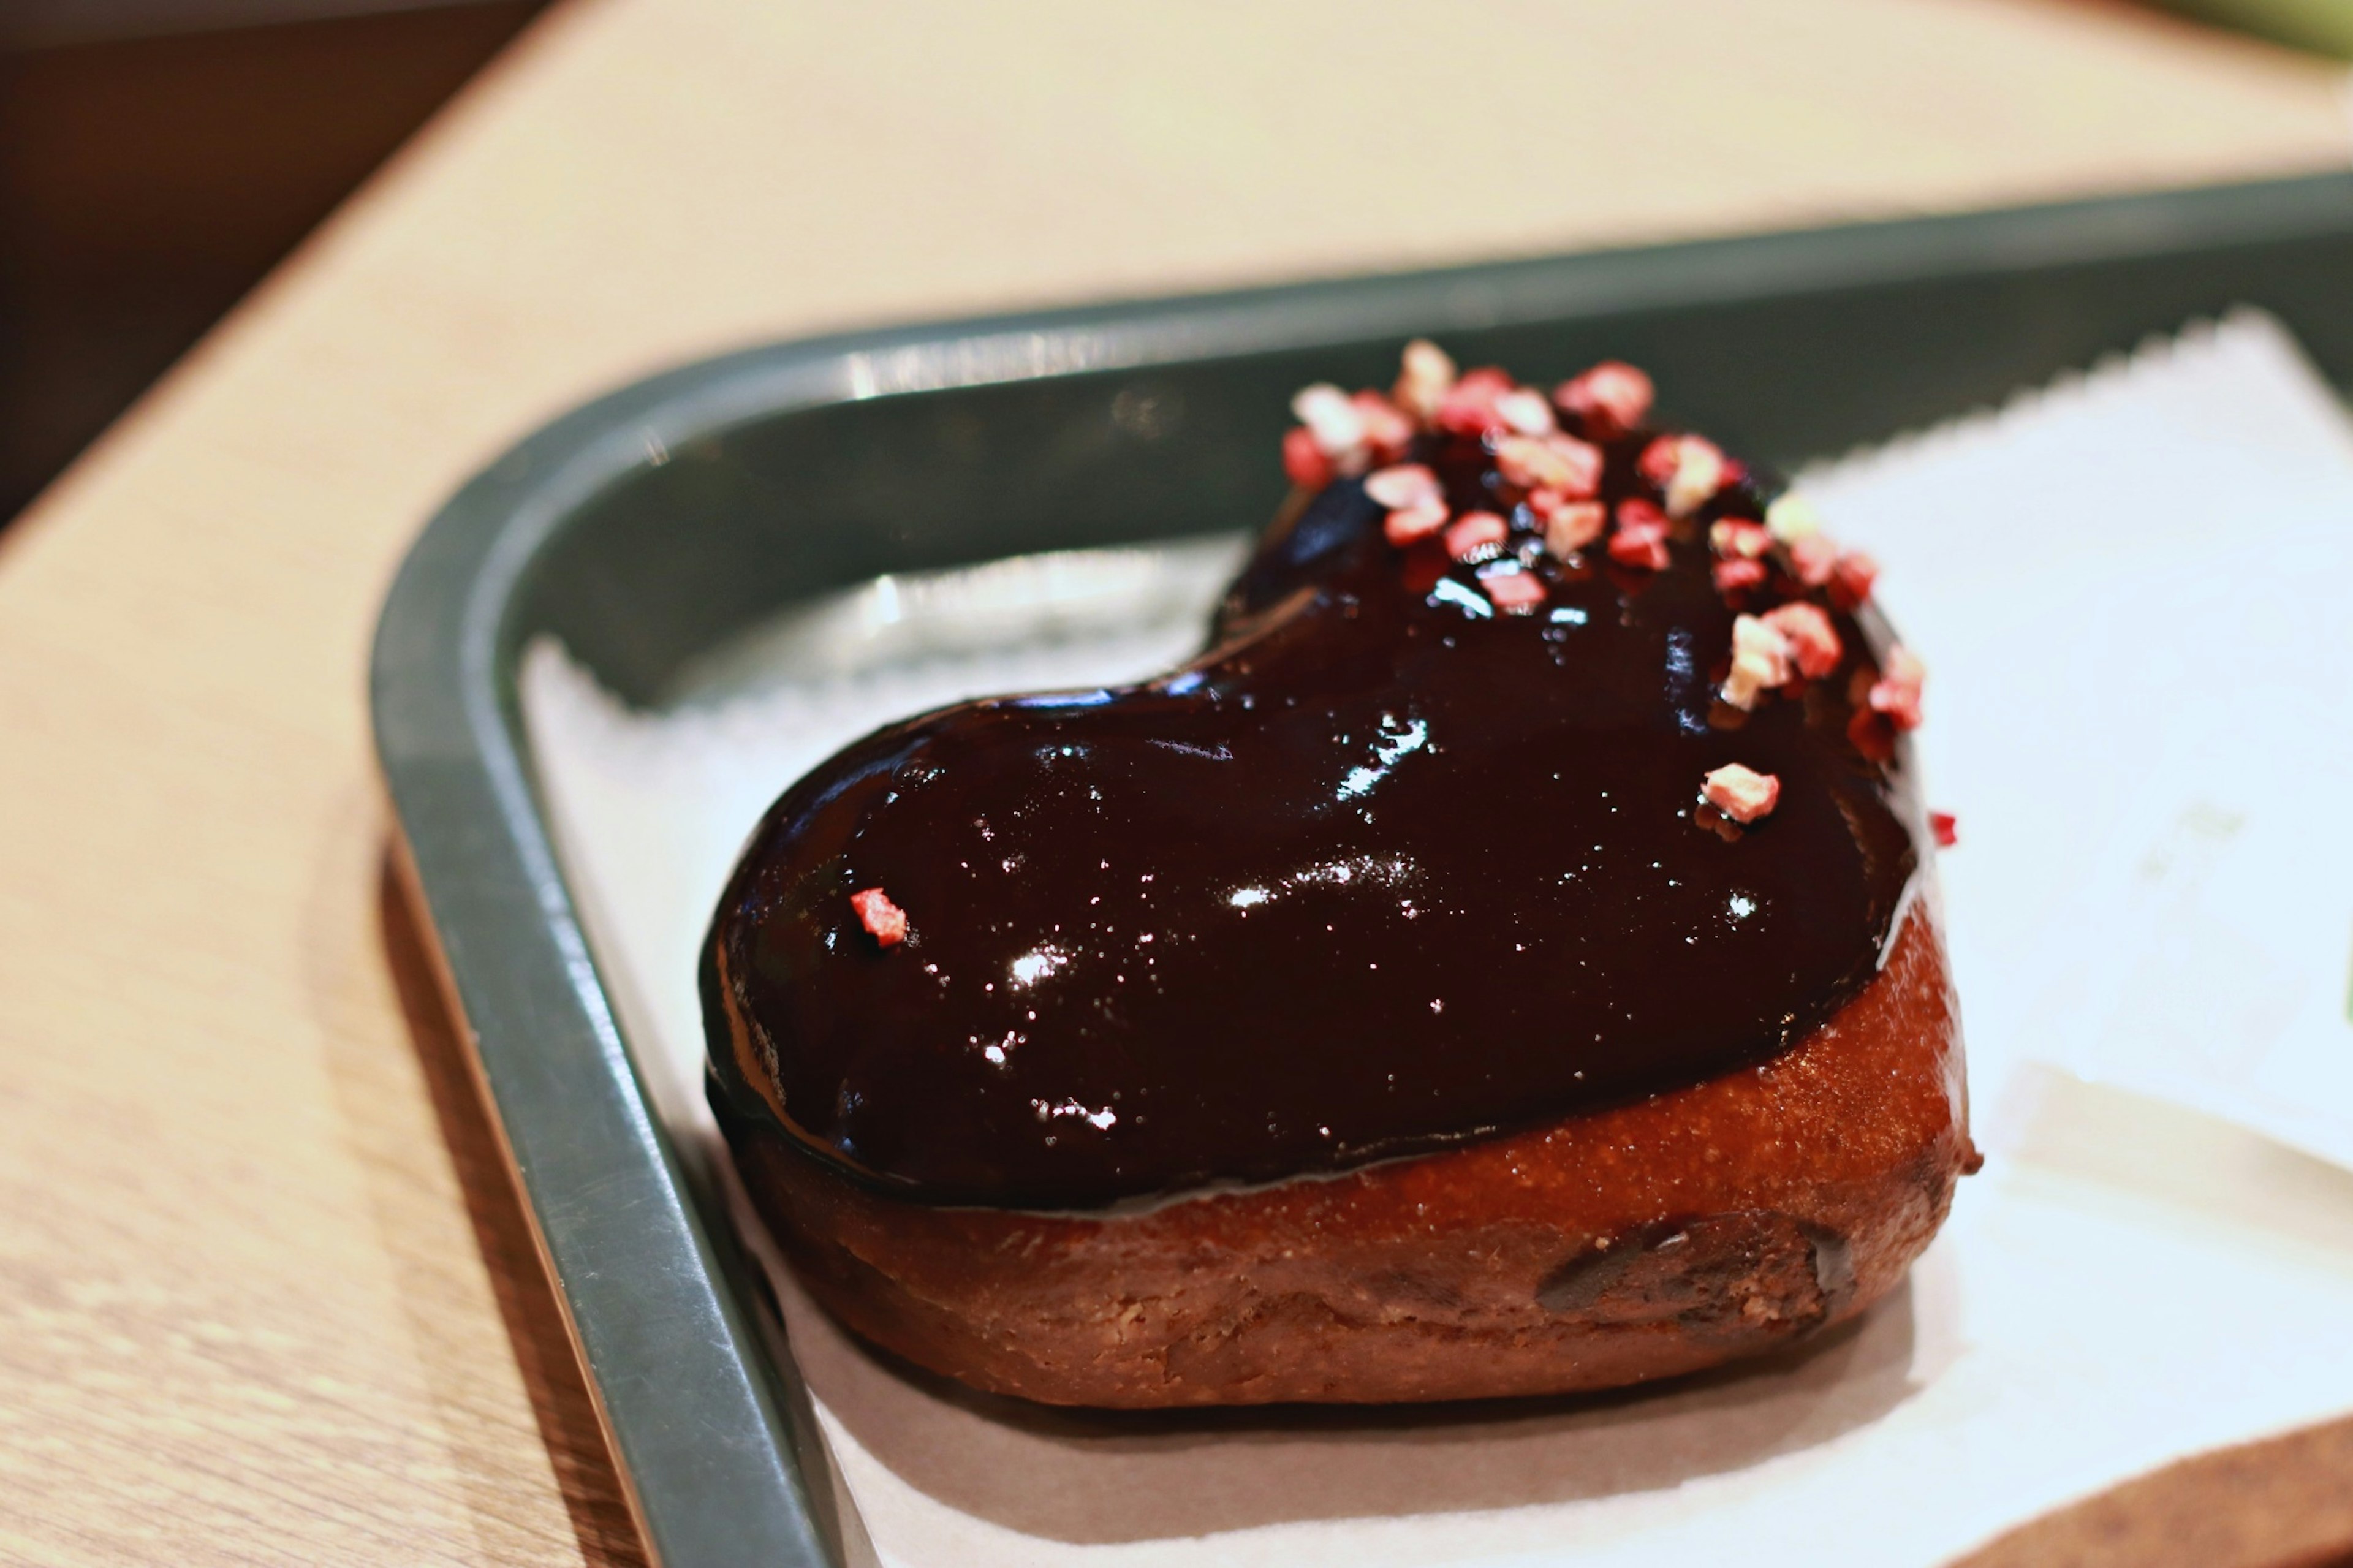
pixel 1387 431
pixel 1899 704
pixel 1411 524
pixel 1688 469
pixel 1738 536
pixel 1812 559
pixel 1852 579
pixel 1761 660
pixel 1947 827
pixel 1424 377
pixel 1741 793
pixel 1559 463
pixel 1641 536
pixel 1657 463
pixel 1514 593
pixel 1612 399
pixel 1580 462
pixel 1636 512
pixel 1738 574
pixel 1896 694
pixel 1523 461
pixel 1476 533
pixel 1699 474
pixel 1469 407
pixel 885 921
pixel 1570 526
pixel 1331 416
pixel 1407 484
pixel 1525 411
pixel 1792 518
pixel 1303 461
pixel 1639 547
pixel 1813 641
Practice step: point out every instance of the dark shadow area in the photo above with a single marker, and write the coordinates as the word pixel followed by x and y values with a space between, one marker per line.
pixel 544 1351
pixel 148 182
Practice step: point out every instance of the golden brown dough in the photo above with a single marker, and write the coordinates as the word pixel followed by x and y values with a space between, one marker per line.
pixel 1637 1242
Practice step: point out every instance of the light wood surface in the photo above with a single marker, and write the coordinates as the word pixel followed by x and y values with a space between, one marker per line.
pixel 264 1294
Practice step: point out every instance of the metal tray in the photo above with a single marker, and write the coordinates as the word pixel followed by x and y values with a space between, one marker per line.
pixel 650 527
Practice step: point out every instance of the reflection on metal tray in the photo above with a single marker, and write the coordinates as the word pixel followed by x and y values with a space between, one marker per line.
pixel 903 616
pixel 657 531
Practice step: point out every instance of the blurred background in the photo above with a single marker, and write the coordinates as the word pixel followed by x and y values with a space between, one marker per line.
pixel 159 157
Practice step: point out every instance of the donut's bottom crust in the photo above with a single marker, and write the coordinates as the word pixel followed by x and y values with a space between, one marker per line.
pixel 1705 1223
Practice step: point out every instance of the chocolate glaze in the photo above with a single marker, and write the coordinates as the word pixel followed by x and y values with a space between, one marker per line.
pixel 1380 872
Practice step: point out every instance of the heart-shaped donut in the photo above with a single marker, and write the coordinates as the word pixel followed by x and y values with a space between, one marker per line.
pixel 1539 761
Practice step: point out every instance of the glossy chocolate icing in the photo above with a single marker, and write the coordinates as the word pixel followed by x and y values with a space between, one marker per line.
pixel 1382 871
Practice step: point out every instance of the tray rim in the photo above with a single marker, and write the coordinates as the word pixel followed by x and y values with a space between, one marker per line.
pixel 714 1438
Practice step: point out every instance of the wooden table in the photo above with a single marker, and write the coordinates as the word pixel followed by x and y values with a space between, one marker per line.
pixel 265 1294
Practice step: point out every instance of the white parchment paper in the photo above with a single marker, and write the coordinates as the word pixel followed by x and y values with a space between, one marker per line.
pixel 2131 592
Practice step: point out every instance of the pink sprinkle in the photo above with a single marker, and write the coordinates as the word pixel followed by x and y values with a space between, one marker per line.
pixel 1900 703
pixel 1733 575
pixel 1761 659
pixel 1612 399
pixel 1947 827
pixel 1813 641
pixel 1338 429
pixel 1408 484
pixel 1476 533
pixel 1388 431
pixel 1412 524
pixel 1523 461
pixel 1639 547
pixel 1688 469
pixel 1740 536
pixel 1524 410
pixel 1579 464
pixel 1570 526
pixel 1560 463
pixel 1641 536
pixel 1853 578
pixel 885 921
pixel 1896 692
pixel 1636 512
pixel 1514 593
pixel 1812 559
pixel 1657 463
pixel 1698 477
pixel 1424 375
pixel 1740 793
pixel 1469 407
pixel 1304 460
